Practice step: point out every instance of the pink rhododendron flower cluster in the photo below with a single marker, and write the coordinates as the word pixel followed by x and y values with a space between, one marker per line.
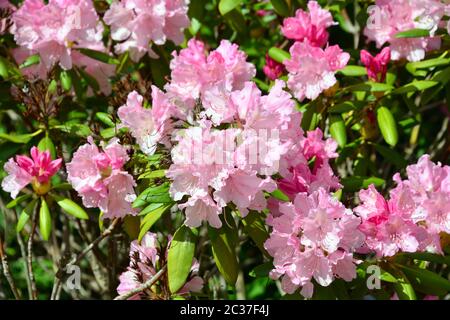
pixel 137 24
pixel 54 31
pixel 312 69
pixel 36 170
pixel 145 259
pixel 417 212
pixel 389 17
pixel 99 178
pixel 309 26
pixel 301 176
pixel 313 237
pixel 376 66
pixel 148 126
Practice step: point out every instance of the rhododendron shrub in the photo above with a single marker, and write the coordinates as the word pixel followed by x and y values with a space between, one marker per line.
pixel 175 149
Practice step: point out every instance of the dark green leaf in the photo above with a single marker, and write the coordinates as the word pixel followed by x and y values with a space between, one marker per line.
pixel 180 257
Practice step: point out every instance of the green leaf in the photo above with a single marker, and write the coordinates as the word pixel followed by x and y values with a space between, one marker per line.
pixel 100 56
pixel 19 138
pixel 338 130
pixel 262 270
pixel 45 220
pixel 403 287
pixel 354 183
pixel 66 80
pixel 426 281
pixel 63 186
pixel 353 71
pixel 180 257
pixel 4 68
pixel 226 6
pixel 255 227
pixel 426 64
pixel 78 129
pixel 415 86
pixel 150 219
pixel 223 243
pixel 370 86
pixel 153 174
pixel 17 200
pixel 278 54
pixel 347 106
pixel 391 156
pixel 46 144
pixel 105 118
pixel 25 215
pixel 71 207
pixel 31 60
pixel 413 33
pixel 281 7
pixel 387 125
pixel 280 195
pixel 153 194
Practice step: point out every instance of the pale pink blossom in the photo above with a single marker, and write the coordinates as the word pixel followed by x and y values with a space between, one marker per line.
pixel 313 238
pixel 392 17
pixel 148 126
pixel 312 69
pixel 36 170
pixel 100 179
pixel 309 26
pixel 376 66
pixel 137 24
pixel 194 72
pixel 54 31
pixel 145 259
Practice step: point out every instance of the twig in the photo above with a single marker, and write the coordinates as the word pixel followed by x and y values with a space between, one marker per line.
pixel 30 257
pixel 77 259
pixel 144 286
pixel 6 272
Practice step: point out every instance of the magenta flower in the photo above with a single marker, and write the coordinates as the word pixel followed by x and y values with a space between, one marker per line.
pixel 310 26
pixel 36 170
pixel 376 66
pixel 312 69
pixel 145 258
pixel 313 238
pixel 99 178
pixel 273 69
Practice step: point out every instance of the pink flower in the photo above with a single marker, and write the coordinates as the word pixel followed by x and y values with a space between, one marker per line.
pixel 145 259
pixel 428 185
pixel 148 126
pixel 387 230
pixel 99 178
pixel 194 73
pixel 391 17
pixel 36 170
pixel 273 70
pixel 376 66
pixel 137 24
pixel 54 30
pixel 313 238
pixel 310 26
pixel 311 69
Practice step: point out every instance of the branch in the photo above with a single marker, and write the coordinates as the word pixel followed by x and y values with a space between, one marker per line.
pixel 77 259
pixel 144 286
pixel 30 257
pixel 7 273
